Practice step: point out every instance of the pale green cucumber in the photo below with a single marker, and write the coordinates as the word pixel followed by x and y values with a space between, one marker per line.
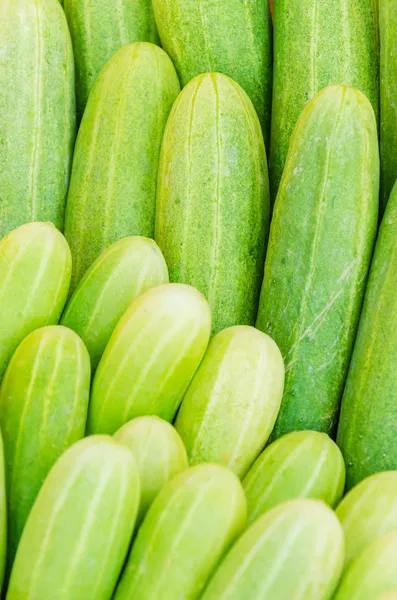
pixel 303 464
pixel 3 515
pixel 232 403
pixel 37 112
pixel 294 552
pixel 77 535
pixel 188 528
pixel 320 247
pixel 35 267
pixel 151 357
pixel 212 199
pixel 43 410
pixel 112 191
pixel 122 272
pixel 159 453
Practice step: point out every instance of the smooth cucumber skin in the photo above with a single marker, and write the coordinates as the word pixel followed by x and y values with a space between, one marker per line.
pixel 37 112
pixel 212 198
pixel 225 36
pixel 189 526
pixel 231 405
pixel 302 464
pixel 320 247
pixel 35 268
pixel 43 410
pixel 77 535
pixel 317 44
pixel 3 515
pixel 294 551
pixel 151 357
pixel 112 191
pixel 159 453
pixel 121 273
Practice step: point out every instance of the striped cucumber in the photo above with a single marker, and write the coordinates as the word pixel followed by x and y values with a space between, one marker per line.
pixel 113 186
pixel 120 274
pixel 189 526
pixel 37 112
pixel 43 410
pixel 151 357
pixel 320 247
pixel 212 198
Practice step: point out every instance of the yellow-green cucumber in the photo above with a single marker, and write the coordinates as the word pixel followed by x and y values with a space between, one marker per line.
pixel 3 515
pixel 231 405
pixel 35 267
pixel 320 247
pixel 213 198
pixel 151 357
pixel 120 274
pixel 37 112
pixel 112 191
pixel 43 410
pixel 302 464
pixel 294 552
pixel 188 528
pixel 77 535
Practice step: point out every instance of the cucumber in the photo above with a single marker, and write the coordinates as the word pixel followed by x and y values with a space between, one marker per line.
pixel 189 526
pixel 232 403
pixel 317 44
pixel 225 36
pixel 35 267
pixel 313 287
pixel 151 357
pixel 122 272
pixel 303 464
pixel 43 410
pixel 37 112
pixel 294 551
pixel 99 29
pixel 212 199
pixel 3 515
pixel 113 186
pixel 159 453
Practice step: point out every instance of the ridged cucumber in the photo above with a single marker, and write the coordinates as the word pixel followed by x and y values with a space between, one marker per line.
pixel 213 199
pixel 320 247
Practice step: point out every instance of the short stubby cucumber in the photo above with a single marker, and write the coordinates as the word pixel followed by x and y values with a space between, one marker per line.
pixel 122 272
pixel 232 403
pixel 35 267
pixel 112 191
pixel 317 44
pixel 320 247
pixel 226 36
pixel 302 464
pixel 3 515
pixel 188 528
pixel 43 410
pixel 159 453
pixel 37 112
pixel 294 551
pixel 213 199
pixel 99 29
pixel 151 357
pixel 77 535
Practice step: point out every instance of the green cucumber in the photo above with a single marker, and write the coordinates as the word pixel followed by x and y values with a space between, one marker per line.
pixel 3 515
pixel 43 410
pixel 77 535
pixel 320 247
pixel 212 199
pixel 151 357
pixel 37 112
pixel 35 267
pixel 302 464
pixel 232 403
pixel 294 552
pixel 188 528
pixel 122 272
pixel 159 453
pixel 112 191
